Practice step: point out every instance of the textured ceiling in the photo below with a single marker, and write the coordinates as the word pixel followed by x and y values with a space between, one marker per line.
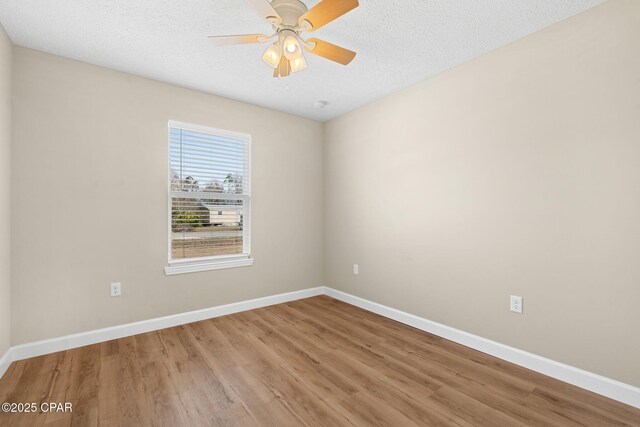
pixel 399 42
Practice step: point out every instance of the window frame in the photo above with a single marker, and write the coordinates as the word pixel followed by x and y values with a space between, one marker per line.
pixel 216 262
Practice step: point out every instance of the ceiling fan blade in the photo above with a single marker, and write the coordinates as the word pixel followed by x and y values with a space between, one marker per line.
pixel 330 51
pixel 284 68
pixel 239 39
pixel 327 11
pixel 264 8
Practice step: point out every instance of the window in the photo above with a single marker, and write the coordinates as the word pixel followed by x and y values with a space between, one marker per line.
pixel 209 199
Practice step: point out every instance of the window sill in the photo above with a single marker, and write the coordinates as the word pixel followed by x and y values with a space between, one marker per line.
pixel 206 266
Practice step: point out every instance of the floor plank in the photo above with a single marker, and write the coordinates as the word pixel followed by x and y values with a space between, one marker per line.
pixel 312 362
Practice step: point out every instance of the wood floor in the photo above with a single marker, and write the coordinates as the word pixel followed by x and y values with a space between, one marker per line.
pixel 316 362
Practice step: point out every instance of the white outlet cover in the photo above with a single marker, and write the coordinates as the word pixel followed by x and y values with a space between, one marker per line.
pixel 356 269
pixel 515 304
pixel 116 289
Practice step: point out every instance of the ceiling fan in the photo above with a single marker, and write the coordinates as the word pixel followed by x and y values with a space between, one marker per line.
pixel 289 18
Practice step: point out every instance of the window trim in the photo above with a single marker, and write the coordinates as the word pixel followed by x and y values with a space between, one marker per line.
pixel 192 265
pixel 214 264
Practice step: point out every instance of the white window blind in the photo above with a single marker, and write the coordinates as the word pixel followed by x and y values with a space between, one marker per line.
pixel 209 193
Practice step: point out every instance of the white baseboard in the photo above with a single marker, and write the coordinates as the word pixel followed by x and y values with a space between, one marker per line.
pixel 596 383
pixel 608 387
pixel 39 348
pixel 5 362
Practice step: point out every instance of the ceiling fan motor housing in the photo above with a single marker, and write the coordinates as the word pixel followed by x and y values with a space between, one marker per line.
pixel 290 11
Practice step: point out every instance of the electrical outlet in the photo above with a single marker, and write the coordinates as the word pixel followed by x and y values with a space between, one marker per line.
pixel 516 304
pixel 116 289
pixel 355 269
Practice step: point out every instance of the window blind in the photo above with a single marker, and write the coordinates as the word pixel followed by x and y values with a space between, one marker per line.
pixel 209 191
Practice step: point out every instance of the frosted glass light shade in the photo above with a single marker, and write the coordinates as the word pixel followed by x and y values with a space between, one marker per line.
pixel 272 55
pixel 298 64
pixel 291 48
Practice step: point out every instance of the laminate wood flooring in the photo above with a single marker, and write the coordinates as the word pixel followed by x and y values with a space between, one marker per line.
pixel 312 362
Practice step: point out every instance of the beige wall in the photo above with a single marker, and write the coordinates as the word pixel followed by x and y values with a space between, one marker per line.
pixel 517 173
pixel 90 198
pixel 5 190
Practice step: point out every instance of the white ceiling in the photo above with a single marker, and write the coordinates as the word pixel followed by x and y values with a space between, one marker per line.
pixel 399 42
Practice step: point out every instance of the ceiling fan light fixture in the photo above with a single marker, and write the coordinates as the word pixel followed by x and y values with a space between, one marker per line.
pixel 272 55
pixel 289 19
pixel 298 64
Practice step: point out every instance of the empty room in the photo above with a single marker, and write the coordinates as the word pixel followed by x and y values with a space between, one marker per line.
pixel 319 213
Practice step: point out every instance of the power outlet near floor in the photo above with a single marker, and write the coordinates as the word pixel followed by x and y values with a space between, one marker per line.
pixel 356 269
pixel 516 304
pixel 116 289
